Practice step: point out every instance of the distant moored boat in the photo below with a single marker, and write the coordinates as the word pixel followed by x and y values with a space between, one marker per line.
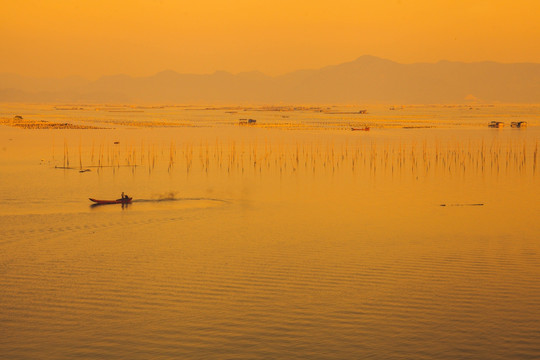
pixel 518 124
pixel 496 124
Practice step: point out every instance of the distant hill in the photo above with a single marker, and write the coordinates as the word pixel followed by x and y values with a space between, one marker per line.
pixel 367 79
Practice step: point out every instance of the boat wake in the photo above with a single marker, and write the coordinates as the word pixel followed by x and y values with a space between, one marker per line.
pixel 176 199
pixel 173 196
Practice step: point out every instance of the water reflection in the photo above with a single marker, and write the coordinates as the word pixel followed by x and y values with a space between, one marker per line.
pixel 123 206
pixel 273 244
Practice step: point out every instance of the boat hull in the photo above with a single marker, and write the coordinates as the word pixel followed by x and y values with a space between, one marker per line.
pixel 107 202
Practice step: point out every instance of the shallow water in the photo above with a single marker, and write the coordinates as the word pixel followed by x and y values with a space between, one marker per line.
pixel 266 243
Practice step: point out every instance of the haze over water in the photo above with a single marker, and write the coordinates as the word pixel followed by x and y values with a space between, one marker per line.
pixel 294 237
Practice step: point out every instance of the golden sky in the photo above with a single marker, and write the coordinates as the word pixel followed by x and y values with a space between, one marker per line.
pixel 102 37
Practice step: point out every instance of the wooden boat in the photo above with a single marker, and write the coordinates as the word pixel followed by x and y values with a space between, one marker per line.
pixel 117 201
pixel 360 129
pixel 518 124
pixel 496 124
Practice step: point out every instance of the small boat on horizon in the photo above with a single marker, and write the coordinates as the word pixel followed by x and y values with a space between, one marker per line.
pixel 518 124
pixel 496 124
pixel 366 128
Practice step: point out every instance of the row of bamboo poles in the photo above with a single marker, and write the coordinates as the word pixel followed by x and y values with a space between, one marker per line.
pixel 466 157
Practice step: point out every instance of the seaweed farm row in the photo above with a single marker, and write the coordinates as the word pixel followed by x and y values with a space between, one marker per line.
pixel 416 158
pixel 309 118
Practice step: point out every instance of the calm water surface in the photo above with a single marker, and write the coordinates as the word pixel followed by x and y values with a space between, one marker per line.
pixel 265 242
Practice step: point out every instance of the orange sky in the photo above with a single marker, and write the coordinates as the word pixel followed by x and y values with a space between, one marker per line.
pixel 135 37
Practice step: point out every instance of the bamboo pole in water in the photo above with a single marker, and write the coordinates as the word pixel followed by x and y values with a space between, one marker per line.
pixel 80 154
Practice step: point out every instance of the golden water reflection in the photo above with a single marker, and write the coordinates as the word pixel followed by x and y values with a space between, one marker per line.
pixel 261 243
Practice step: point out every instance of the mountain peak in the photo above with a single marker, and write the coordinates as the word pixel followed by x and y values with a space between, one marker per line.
pixel 372 59
pixel 166 73
pixel 252 74
pixel 222 73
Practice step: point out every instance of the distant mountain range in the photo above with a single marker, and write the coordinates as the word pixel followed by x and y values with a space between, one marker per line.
pixel 367 79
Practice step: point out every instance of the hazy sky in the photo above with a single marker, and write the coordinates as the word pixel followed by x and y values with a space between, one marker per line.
pixel 136 37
